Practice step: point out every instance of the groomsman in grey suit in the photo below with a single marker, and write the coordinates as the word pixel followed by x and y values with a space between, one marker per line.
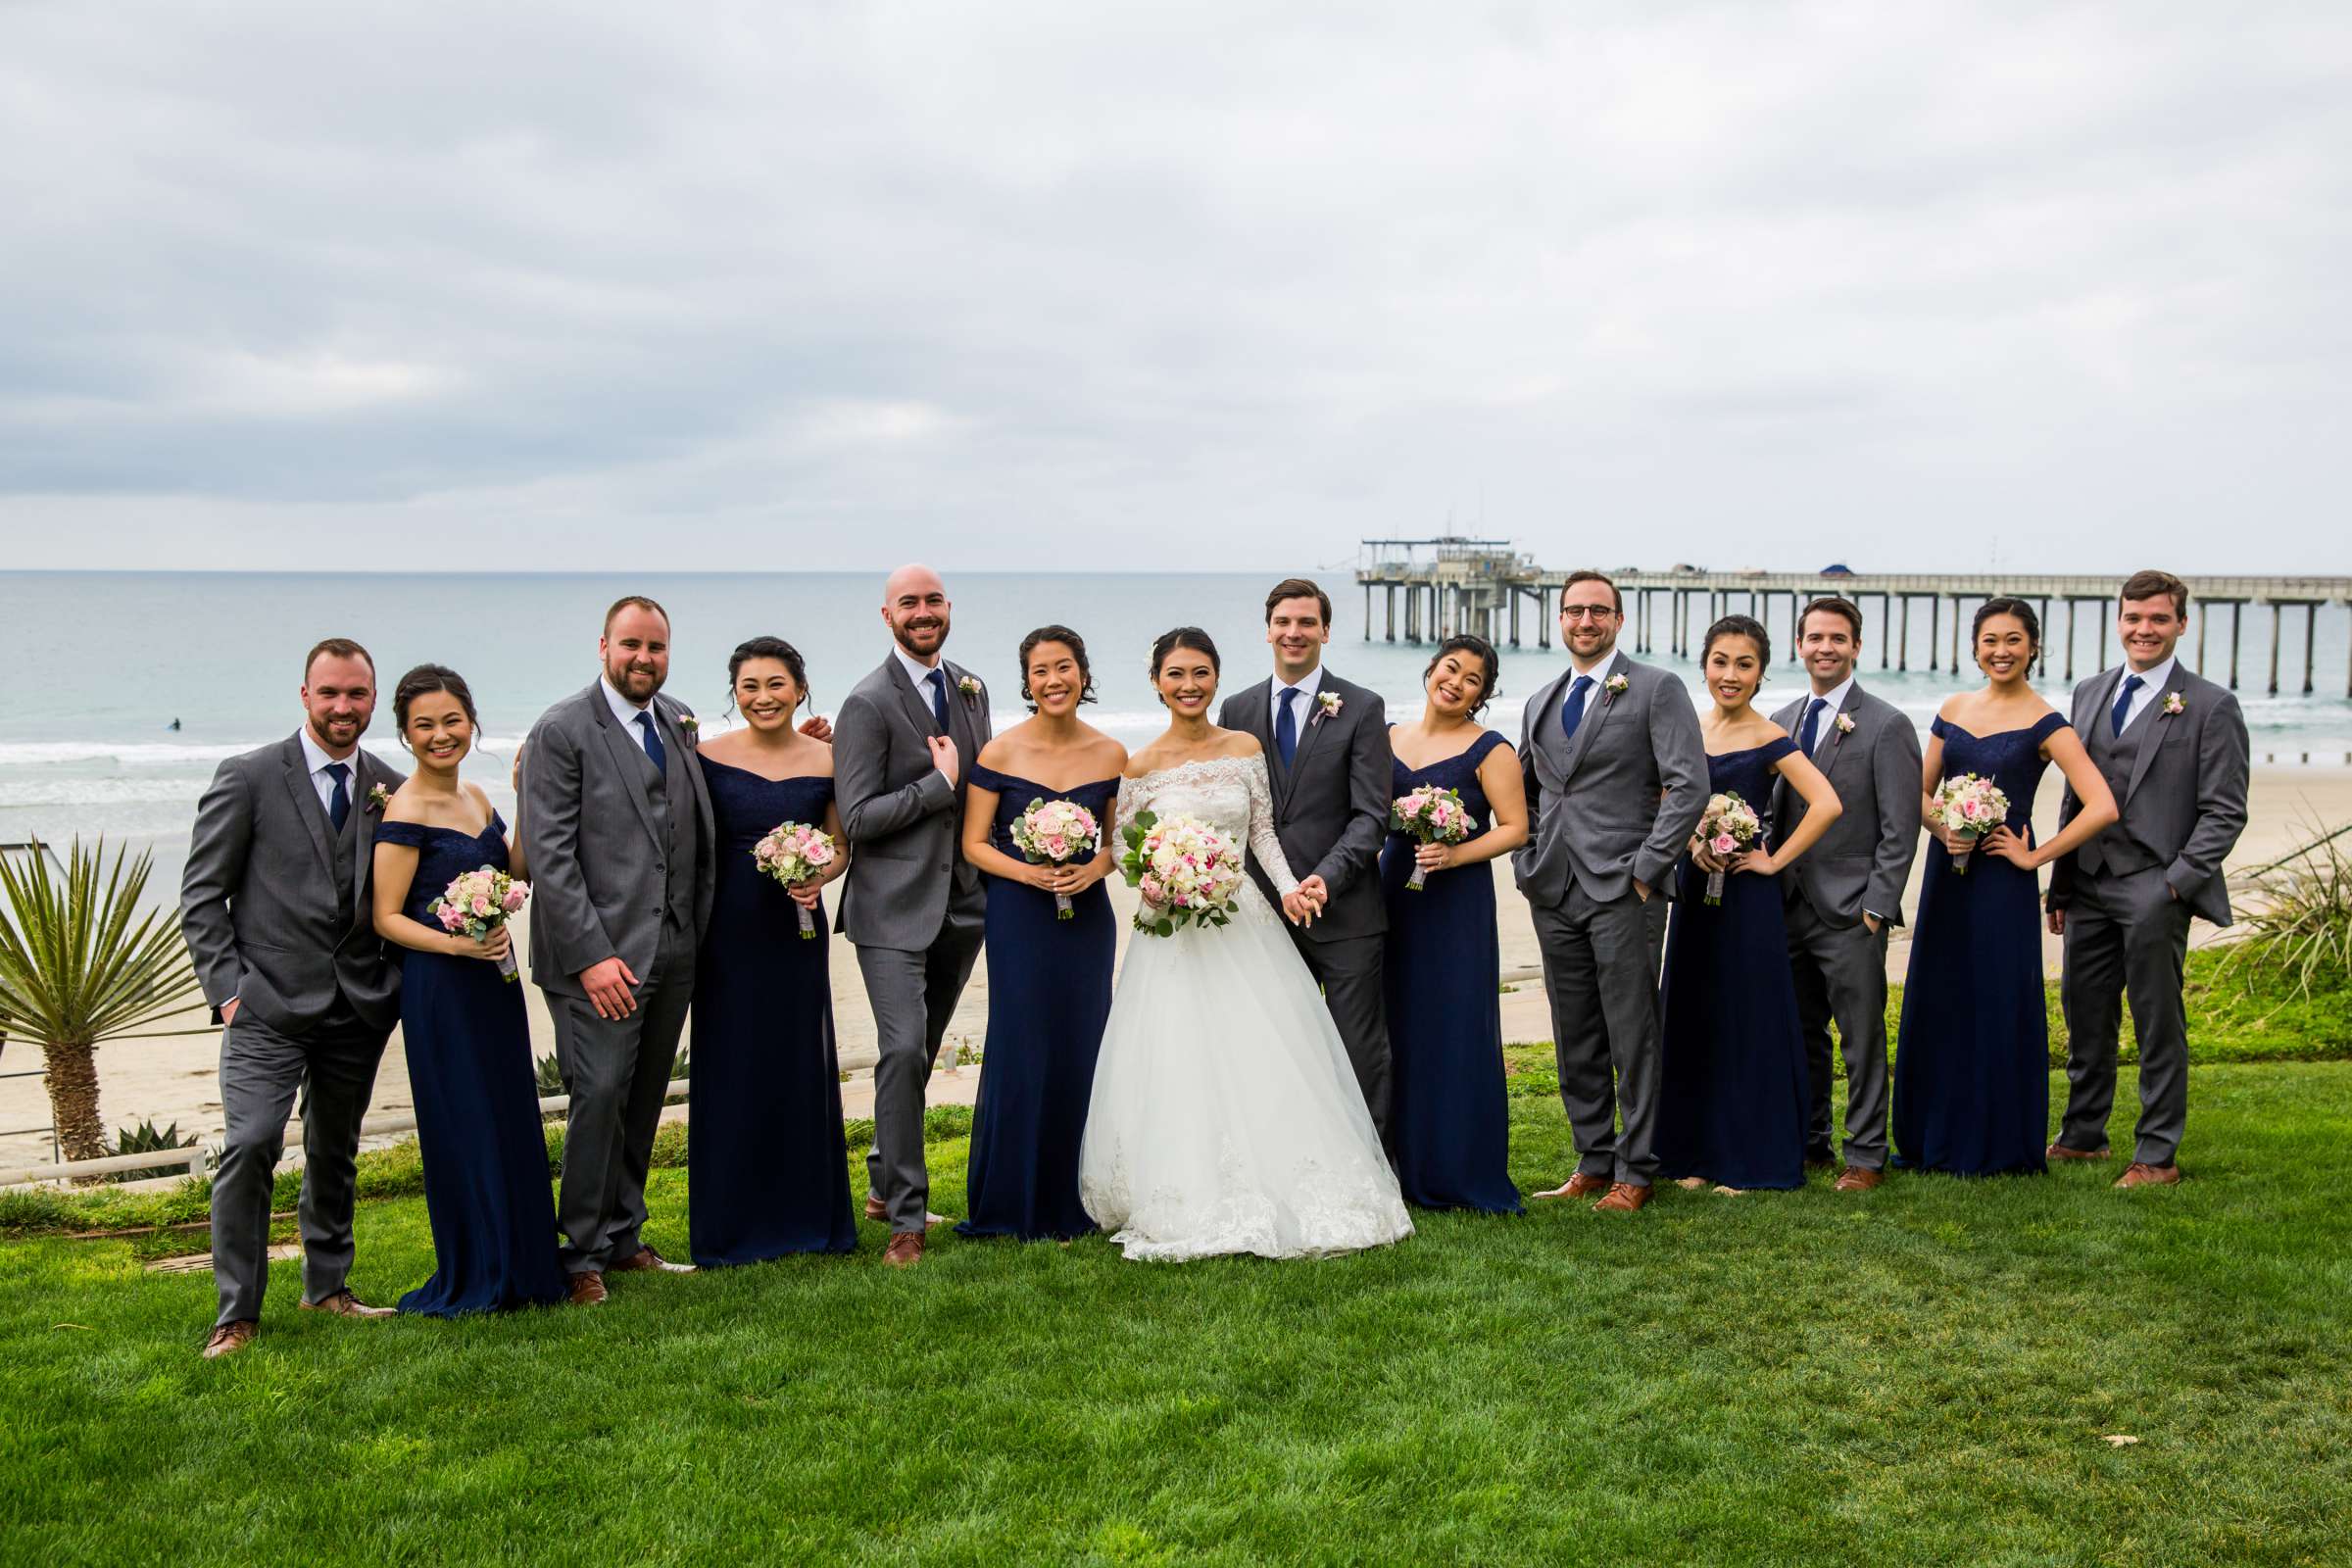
pixel 616 830
pixel 1616 779
pixel 2173 747
pixel 1333 773
pixel 903 746
pixel 275 907
pixel 1844 896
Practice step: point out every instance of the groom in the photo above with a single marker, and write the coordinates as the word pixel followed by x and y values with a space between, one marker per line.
pixel 902 748
pixel 2172 746
pixel 1327 750
pixel 1616 779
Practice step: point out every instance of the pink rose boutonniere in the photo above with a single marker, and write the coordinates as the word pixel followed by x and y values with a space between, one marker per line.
pixel 1615 686
pixel 970 687
pixel 2175 704
pixel 1846 723
pixel 1327 706
pixel 378 798
pixel 689 723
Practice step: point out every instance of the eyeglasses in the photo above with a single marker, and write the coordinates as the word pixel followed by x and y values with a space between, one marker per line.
pixel 1586 612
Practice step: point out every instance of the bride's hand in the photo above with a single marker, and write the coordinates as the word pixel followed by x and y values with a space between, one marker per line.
pixel 1299 907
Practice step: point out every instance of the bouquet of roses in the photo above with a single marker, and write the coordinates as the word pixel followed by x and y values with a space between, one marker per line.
pixel 794 853
pixel 478 902
pixel 1188 872
pixel 1725 826
pixel 1969 807
pixel 1055 833
pixel 1430 815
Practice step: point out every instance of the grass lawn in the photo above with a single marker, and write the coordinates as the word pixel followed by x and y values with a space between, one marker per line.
pixel 1928 1374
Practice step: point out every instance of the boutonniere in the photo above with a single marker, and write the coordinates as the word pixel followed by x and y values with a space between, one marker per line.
pixel 970 687
pixel 2175 704
pixel 689 723
pixel 1846 723
pixel 1327 706
pixel 378 798
pixel 1615 686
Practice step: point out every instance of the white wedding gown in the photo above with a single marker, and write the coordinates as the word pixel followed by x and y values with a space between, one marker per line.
pixel 1225 1117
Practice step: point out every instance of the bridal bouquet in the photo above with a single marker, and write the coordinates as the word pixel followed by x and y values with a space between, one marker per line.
pixel 1430 815
pixel 1969 807
pixel 1055 833
pixel 478 902
pixel 1188 872
pixel 1728 823
pixel 794 853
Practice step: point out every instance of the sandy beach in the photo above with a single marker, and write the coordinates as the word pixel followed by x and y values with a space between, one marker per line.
pixel 172 1078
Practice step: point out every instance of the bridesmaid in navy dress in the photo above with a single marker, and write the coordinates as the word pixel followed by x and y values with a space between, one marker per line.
pixel 1733 1111
pixel 1049 979
pixel 1972 1064
pixel 766 1166
pixel 1448 1117
pixel 462 1026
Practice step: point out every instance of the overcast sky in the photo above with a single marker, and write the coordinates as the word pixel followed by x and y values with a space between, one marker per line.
pixel 537 287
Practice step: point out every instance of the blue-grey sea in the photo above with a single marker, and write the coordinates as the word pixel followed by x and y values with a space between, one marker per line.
pixel 104 662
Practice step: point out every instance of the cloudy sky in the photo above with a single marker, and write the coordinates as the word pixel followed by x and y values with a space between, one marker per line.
pixel 524 287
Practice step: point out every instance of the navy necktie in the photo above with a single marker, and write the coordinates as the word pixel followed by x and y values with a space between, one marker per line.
pixel 937 680
pixel 1812 729
pixel 2122 705
pixel 653 747
pixel 338 804
pixel 1572 713
pixel 1285 727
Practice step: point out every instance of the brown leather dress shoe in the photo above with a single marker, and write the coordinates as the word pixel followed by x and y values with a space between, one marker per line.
pixel 345 1304
pixel 229 1337
pixel 1858 1179
pixel 1584 1184
pixel 2137 1174
pixel 905 1250
pixel 2061 1151
pixel 588 1289
pixel 643 1258
pixel 1624 1198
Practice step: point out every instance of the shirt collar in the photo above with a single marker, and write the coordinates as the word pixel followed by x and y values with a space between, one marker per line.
pixel 1309 685
pixel 2155 678
pixel 315 755
pixel 623 709
pixel 916 671
pixel 1836 695
pixel 1596 671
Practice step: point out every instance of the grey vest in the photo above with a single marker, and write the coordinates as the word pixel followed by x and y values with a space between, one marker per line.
pixel 684 834
pixel 2115 850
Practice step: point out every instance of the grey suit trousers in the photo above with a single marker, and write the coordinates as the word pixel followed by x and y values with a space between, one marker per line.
pixel 1600 968
pixel 2126 935
pixel 1841 974
pixel 332 1072
pixel 616 1071
pixel 1356 995
pixel 913 996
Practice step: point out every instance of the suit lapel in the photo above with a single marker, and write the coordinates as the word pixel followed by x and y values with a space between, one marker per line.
pixel 962 714
pixel 1598 702
pixel 1853 700
pixel 2160 725
pixel 363 834
pixel 626 755
pixel 306 804
pixel 918 708
pixel 1310 722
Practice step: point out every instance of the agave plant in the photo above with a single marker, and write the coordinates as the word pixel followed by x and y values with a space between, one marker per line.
pixel 2299 926
pixel 79 965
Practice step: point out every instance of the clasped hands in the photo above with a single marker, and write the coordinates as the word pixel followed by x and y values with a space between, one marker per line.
pixel 1305 901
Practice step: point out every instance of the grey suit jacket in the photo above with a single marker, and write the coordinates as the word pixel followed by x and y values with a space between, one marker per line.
pixel 1862 862
pixel 1330 804
pixel 1618 802
pixel 596 854
pixel 2187 799
pixel 902 818
pixel 258 904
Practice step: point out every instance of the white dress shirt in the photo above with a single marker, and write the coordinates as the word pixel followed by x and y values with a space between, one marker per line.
pixel 2140 698
pixel 920 673
pixel 626 712
pixel 315 755
pixel 1835 699
pixel 1302 707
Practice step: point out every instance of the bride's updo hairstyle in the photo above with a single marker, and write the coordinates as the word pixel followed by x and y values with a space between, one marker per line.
pixel 1192 637
pixel 424 681
pixel 1077 647
pixel 775 647
pixel 1747 627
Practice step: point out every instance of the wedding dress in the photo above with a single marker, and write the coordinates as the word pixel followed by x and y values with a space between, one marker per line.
pixel 1225 1117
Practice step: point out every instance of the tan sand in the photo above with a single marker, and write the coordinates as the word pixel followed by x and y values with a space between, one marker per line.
pixel 172 1079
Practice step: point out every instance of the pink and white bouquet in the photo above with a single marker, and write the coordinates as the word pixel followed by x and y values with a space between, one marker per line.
pixel 1969 807
pixel 1186 869
pixel 1726 826
pixel 477 902
pixel 1430 815
pixel 794 853
pixel 1055 833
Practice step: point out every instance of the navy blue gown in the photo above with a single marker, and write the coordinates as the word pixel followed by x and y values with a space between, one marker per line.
pixel 767 1168
pixel 1731 1096
pixel 1972 1060
pixel 1049 994
pixel 1448 1117
pixel 468 1040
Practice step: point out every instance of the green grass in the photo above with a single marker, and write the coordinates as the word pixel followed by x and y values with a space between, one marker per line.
pixel 1924 1375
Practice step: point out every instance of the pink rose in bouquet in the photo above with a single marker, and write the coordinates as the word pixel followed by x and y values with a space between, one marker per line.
pixel 1968 806
pixel 1055 833
pixel 477 902
pixel 1728 823
pixel 794 853
pixel 1430 815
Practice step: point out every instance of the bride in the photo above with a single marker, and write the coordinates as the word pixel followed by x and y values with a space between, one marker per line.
pixel 1225 1117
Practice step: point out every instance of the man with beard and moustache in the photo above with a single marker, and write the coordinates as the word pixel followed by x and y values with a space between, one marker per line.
pixel 275 910
pixel 913 904
pixel 1846 894
pixel 616 829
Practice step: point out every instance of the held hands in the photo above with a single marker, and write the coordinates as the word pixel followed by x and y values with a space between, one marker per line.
pixel 2007 846
pixel 493 947
pixel 1304 902
pixel 943 757
pixel 608 986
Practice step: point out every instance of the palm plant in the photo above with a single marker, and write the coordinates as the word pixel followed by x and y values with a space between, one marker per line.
pixel 79 965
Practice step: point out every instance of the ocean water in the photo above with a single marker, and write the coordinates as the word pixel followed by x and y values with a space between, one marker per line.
pixel 103 662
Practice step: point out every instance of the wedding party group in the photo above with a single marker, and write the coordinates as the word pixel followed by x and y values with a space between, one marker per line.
pixel 1304 1043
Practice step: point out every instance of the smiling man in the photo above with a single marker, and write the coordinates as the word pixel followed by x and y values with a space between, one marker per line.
pixel 2172 749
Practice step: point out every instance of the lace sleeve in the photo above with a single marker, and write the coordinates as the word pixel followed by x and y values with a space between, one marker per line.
pixel 1262 841
pixel 1135 795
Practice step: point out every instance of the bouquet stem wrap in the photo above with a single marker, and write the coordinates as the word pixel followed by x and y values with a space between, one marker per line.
pixel 1429 816
pixel 1055 833
pixel 794 853
pixel 1728 823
